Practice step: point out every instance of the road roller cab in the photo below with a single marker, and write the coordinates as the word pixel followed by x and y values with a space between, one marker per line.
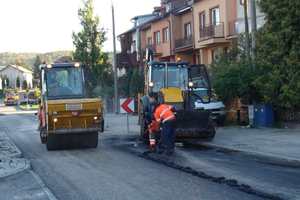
pixel 67 119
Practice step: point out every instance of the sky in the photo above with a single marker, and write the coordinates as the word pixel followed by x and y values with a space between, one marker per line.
pixel 43 26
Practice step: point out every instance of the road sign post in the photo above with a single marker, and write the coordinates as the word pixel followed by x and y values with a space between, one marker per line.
pixel 127 106
pixel 27 91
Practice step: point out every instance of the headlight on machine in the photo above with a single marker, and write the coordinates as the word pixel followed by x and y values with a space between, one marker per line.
pixel 151 84
pixel 54 119
pixel 190 84
pixel 95 117
pixel 49 66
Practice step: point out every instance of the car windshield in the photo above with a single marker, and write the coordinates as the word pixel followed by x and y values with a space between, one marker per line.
pixel 199 77
pixel 64 82
pixel 200 82
pixel 177 77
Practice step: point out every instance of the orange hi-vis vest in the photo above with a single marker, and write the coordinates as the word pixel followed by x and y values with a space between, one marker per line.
pixel 163 113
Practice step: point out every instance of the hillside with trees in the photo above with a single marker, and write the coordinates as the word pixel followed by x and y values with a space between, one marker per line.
pixel 29 58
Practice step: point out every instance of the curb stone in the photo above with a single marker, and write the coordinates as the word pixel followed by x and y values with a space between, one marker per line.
pixel 12 165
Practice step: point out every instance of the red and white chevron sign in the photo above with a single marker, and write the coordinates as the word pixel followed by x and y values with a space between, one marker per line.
pixel 127 105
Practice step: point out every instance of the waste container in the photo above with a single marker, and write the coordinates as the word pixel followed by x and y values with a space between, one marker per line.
pixel 263 115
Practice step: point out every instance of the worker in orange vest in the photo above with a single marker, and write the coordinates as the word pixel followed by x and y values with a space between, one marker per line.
pixel 165 114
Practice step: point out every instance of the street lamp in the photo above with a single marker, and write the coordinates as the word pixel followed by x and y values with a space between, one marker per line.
pixel 115 60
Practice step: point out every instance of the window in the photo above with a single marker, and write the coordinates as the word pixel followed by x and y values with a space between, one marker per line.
pixel 168 7
pixel 215 17
pixel 150 41
pixel 133 46
pixel 166 35
pixel 202 20
pixel 215 55
pixel 157 37
pixel 188 30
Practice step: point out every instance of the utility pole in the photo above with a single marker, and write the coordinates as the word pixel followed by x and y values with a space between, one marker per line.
pixel 246 30
pixel 115 60
pixel 253 25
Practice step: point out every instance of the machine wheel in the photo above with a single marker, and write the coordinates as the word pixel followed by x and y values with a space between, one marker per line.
pixel 221 123
pixel 50 142
pixel 72 141
pixel 43 139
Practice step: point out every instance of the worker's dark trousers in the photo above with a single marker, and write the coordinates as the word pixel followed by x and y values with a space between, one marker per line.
pixel 168 133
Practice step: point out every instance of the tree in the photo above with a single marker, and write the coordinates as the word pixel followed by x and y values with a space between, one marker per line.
pixel 107 84
pixel 128 80
pixel 135 83
pixel 23 64
pixel 232 74
pixel 278 54
pixel 89 43
pixel 18 82
pixel 36 65
pixel 49 59
pixel 25 84
pixel 7 80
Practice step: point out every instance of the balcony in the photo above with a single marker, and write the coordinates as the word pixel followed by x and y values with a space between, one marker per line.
pixel 150 46
pixel 157 48
pixel 212 31
pixel 184 42
pixel 233 28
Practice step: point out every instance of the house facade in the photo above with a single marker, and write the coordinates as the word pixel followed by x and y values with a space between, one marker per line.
pixel 13 72
pixel 215 25
pixel 131 54
pixel 192 30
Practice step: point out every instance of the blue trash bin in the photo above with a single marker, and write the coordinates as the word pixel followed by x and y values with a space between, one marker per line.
pixel 263 115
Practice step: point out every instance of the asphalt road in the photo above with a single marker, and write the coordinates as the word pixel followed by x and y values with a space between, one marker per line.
pixel 117 170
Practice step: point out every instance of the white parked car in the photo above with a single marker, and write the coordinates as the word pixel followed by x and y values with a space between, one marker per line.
pixel 217 110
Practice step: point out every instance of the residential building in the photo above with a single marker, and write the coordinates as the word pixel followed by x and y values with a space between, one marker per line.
pixel 64 59
pixel 193 30
pixel 131 54
pixel 13 72
pixel 215 24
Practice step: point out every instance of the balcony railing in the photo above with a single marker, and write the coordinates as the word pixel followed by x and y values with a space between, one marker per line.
pixel 151 46
pixel 185 41
pixel 233 28
pixel 212 31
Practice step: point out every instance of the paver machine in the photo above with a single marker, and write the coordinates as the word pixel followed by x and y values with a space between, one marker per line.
pixel 67 119
pixel 172 83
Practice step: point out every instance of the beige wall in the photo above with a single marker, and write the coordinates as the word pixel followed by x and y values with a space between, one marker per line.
pixel 227 12
pixel 163 47
pixel 145 34
pixel 207 53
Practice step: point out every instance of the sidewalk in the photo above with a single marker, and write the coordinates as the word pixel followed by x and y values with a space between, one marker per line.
pixel 15 172
pixel 272 142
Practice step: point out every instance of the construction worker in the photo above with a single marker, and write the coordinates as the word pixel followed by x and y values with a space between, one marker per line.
pixel 151 122
pixel 165 114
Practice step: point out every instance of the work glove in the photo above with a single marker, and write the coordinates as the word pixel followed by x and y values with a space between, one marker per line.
pixel 151 125
pixel 173 109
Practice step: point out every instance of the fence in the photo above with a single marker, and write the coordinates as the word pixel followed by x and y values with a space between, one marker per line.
pixel 109 105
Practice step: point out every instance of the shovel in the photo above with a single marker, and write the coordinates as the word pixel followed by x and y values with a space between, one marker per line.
pixel 136 143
